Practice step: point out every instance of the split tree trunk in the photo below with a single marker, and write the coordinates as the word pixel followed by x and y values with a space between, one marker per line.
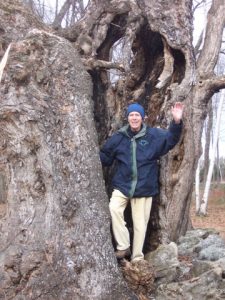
pixel 161 69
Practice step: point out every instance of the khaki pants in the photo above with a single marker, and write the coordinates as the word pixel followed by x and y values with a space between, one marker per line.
pixel 140 208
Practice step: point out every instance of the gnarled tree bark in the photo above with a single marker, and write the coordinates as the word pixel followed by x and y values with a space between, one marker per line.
pixel 55 224
pixel 163 70
pixel 55 238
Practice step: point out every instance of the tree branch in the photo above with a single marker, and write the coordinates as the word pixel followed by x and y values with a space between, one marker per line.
pixel 213 37
pixel 92 63
pixel 199 42
pixel 198 4
pixel 216 83
pixel 58 19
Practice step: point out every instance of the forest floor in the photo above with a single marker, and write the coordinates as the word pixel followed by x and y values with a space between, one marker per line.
pixel 215 217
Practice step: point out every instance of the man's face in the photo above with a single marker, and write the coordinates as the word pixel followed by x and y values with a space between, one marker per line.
pixel 135 121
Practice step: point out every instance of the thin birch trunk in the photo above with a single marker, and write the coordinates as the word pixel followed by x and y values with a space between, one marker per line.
pixel 204 202
pixel 208 137
pixel 197 190
pixel 4 61
pixel 219 179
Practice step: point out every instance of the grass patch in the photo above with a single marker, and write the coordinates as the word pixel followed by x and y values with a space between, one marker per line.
pixel 221 201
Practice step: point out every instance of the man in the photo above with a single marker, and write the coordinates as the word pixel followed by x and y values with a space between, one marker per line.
pixel 136 148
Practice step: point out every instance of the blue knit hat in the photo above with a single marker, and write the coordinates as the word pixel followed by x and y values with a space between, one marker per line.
pixel 137 108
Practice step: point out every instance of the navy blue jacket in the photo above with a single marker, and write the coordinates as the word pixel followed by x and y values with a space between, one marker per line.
pixel 137 158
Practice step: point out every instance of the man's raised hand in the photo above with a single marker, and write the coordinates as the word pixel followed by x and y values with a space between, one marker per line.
pixel 177 112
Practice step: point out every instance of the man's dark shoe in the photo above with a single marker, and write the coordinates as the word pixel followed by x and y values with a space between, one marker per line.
pixel 123 253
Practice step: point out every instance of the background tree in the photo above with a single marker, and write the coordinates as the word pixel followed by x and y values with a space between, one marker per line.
pixel 53 193
pixel 204 201
pixel 210 164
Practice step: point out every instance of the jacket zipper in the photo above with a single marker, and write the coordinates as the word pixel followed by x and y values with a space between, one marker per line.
pixel 134 167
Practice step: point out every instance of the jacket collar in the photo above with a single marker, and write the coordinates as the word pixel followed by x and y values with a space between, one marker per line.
pixel 142 132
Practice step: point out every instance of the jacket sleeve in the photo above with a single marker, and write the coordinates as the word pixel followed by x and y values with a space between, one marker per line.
pixel 108 151
pixel 169 138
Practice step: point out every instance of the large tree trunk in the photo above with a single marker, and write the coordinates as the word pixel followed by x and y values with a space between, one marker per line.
pixel 55 238
pixel 55 225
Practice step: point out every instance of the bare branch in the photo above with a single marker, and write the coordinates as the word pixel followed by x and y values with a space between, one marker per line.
pixel 58 19
pixel 216 83
pixel 198 4
pixel 92 63
pixel 56 7
pixel 212 43
pixel 200 39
